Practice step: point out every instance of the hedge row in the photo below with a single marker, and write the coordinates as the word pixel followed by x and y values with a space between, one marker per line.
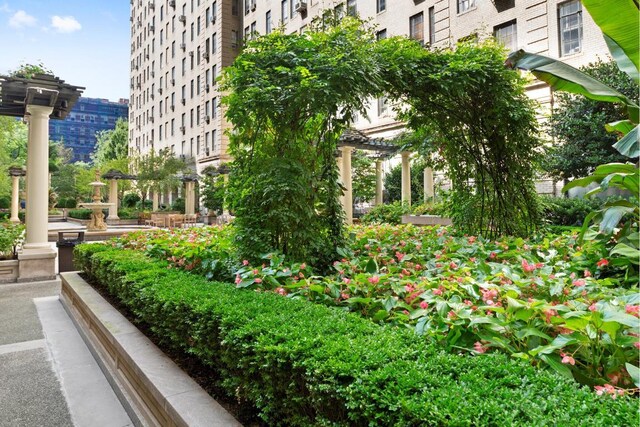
pixel 306 364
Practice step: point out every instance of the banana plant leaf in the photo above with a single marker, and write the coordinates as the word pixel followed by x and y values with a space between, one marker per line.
pixel 618 21
pixel 629 144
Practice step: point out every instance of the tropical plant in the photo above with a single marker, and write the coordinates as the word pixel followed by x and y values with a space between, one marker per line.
pixel 619 24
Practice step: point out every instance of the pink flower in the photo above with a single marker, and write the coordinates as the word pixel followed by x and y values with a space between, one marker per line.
pixel 488 295
pixel 238 279
pixel 492 255
pixel 592 307
pixel 567 360
pixel 437 291
pixel 346 280
pixel 373 280
pixel 245 262
pixel 479 347
pixel 280 290
pixel 587 273
pixel 528 268
pixel 451 314
pixel 408 288
pixel 549 314
pixel 303 266
pixel 472 239
pixel 424 305
pixel 399 255
pixel 633 310
pixel 637 345
pixel 255 271
pixel 344 295
pixel 602 263
pixel 579 282
pixel 453 265
pixel 257 280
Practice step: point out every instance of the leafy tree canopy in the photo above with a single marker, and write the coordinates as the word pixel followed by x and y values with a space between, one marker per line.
pixel 112 144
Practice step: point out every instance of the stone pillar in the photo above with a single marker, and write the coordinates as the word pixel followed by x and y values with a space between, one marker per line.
pixel 378 200
pixel 15 198
pixel 37 257
pixel 346 181
pixel 113 199
pixel 189 203
pixel 156 201
pixel 406 177
pixel 429 191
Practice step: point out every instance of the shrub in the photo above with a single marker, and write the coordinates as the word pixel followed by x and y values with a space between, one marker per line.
pixel 566 211
pixel 11 236
pixel 178 205
pixel 83 213
pixel 5 202
pixel 306 364
pixel 128 213
pixel 392 213
pixel 130 200
pixel 69 203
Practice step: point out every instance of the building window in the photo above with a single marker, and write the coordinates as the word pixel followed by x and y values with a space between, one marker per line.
pixel 254 30
pixel 352 9
pixel 464 5
pixel 570 27
pixel 214 42
pixel 235 7
pixel 382 34
pixel 214 105
pixel 381 5
pixel 268 25
pixel 383 107
pixel 285 10
pixel 416 27
pixel 432 26
pixel 506 34
pixel 247 6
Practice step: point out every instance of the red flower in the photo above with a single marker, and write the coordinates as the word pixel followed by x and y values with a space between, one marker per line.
pixel 424 305
pixel 245 262
pixel 373 280
pixel 592 307
pixel 579 282
pixel 603 262
pixel 257 280
pixel 633 310
pixel 568 360
pixel 479 347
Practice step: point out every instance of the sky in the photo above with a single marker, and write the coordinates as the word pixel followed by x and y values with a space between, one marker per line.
pixel 84 42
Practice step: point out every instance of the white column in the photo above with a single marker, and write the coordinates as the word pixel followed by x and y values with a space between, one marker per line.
pixel 37 214
pixel 406 177
pixel 378 200
pixel 113 199
pixel 156 201
pixel 429 191
pixel 190 198
pixel 15 198
pixel 346 181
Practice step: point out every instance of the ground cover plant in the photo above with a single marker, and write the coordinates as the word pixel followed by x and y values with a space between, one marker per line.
pixel 301 363
pixel 546 300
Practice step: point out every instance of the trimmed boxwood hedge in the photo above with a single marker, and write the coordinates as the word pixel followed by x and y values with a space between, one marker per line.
pixel 306 364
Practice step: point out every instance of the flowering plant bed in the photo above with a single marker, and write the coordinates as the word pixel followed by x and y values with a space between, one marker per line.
pixel 544 300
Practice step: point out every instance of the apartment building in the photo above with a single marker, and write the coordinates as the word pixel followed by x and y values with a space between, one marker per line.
pixel 178 48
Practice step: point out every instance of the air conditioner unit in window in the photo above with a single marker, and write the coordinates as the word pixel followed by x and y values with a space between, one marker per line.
pixel 146 56
pixel 253 7
pixel 183 157
pixel 207 119
pixel 206 55
pixel 153 74
pixel 172 3
pixel 207 152
pixel 183 46
pixel 152 28
pixel 300 6
pixel 151 119
pixel 212 19
pixel 190 53
pixel 160 90
pixel 182 18
pixel 207 87
pixel 152 96
pixel 183 101
pixel 131 18
pixel 152 5
pixel 173 82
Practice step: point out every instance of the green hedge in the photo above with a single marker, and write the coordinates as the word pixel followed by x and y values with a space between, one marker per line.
pixel 306 364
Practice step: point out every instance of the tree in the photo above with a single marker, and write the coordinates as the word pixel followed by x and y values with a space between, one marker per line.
pixel 112 144
pixel 364 176
pixel 290 98
pixel 158 172
pixel 393 183
pixel 578 124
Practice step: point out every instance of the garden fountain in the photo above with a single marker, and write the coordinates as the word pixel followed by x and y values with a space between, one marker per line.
pixel 97 216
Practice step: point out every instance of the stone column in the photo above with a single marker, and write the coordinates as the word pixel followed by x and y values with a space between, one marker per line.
pixel 429 191
pixel 190 208
pixel 37 257
pixel 37 215
pixel 156 201
pixel 378 200
pixel 15 198
pixel 346 181
pixel 406 177
pixel 113 199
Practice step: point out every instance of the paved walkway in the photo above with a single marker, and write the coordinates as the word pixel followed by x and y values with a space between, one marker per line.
pixel 48 376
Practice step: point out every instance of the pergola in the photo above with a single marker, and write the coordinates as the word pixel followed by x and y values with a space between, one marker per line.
pixel 37 99
pixel 113 176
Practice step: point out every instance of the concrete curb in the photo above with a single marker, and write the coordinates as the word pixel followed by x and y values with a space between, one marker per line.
pixel 160 392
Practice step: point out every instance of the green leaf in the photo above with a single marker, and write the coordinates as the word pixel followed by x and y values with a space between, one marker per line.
pixel 564 77
pixel 628 145
pixel 527 332
pixel 380 315
pixel 634 372
pixel 556 288
pixel 612 216
pixel 372 266
pixel 622 318
pixel 627 251
pixel 622 126
pixel 618 21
